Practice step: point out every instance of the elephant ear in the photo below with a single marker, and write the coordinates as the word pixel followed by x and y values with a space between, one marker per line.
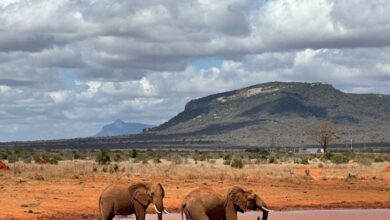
pixel 142 198
pixel 251 202
pixel 238 197
pixel 159 190
pixel 137 193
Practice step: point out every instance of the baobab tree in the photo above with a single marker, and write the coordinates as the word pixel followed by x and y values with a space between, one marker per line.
pixel 323 133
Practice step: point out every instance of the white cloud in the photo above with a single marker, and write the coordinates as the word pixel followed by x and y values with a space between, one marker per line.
pixel 76 65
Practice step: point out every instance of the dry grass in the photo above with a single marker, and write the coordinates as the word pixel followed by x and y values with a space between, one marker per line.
pixel 216 171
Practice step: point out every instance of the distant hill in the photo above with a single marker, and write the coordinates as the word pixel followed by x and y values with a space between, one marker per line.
pixel 120 127
pixel 279 113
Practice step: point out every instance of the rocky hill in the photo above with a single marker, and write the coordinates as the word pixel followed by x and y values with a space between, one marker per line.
pixel 120 127
pixel 279 113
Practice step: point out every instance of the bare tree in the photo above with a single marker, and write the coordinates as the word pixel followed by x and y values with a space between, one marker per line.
pixel 323 133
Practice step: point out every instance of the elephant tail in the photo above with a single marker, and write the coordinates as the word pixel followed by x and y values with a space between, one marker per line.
pixel 182 207
pixel 100 203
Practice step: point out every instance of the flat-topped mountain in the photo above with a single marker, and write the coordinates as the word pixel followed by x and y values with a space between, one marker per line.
pixel 281 112
pixel 119 127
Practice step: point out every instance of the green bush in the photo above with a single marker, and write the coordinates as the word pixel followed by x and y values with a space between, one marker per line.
pixel 379 160
pixel 339 158
pixel 133 153
pixel 103 158
pixel 305 161
pixel 76 156
pixel 4 156
pixel 227 157
pixel 13 158
pixel 57 157
pixel 53 161
pixel 37 158
pixel 264 154
pixel 237 163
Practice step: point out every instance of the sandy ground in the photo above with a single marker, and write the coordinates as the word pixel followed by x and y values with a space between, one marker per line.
pixel 71 191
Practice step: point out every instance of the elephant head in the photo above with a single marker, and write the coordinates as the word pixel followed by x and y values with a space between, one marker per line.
pixel 236 201
pixel 143 195
pixel 254 202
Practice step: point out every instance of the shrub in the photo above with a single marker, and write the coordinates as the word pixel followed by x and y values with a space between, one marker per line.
pixel 57 157
pixel 227 162
pixel 37 158
pixel 4 156
pixel 227 157
pixel 114 168
pixel 144 160
pixel 13 158
pixel 339 158
pixel 53 161
pixel 272 160
pixel 379 160
pixel 177 159
pixel 76 156
pixel 157 159
pixel 133 153
pixel 305 161
pixel 117 157
pixel 103 158
pixel 201 156
pixel 264 154
pixel 27 159
pixel 237 163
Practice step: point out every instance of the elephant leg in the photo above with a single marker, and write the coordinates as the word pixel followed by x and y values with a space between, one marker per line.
pixel 139 212
pixel 107 211
pixel 196 213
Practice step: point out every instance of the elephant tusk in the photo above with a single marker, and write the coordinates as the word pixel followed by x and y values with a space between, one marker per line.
pixel 165 211
pixel 155 208
pixel 268 210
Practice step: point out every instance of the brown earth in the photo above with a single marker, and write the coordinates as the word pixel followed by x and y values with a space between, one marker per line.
pixel 71 190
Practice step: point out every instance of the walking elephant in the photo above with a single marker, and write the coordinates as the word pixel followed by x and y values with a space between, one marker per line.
pixel 120 199
pixel 205 204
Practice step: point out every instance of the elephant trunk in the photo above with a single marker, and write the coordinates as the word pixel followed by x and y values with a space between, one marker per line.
pixel 265 215
pixel 263 207
pixel 159 208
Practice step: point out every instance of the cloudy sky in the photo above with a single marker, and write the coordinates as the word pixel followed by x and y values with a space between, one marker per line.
pixel 67 67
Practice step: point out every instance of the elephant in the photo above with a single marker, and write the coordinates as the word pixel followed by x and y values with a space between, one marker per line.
pixel 206 204
pixel 120 199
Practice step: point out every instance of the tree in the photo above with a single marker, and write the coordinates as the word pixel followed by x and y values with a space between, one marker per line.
pixel 323 133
